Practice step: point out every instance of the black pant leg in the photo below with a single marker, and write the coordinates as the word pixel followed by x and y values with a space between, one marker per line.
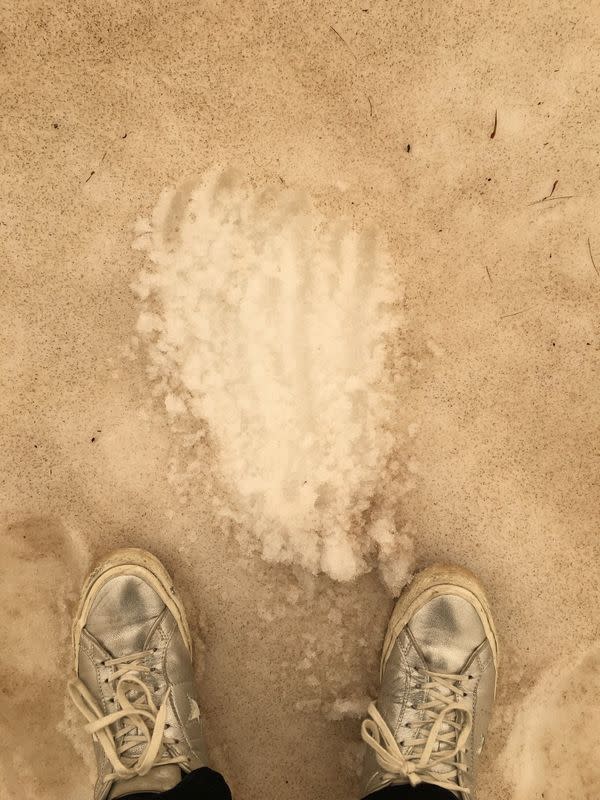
pixel 424 791
pixel 201 784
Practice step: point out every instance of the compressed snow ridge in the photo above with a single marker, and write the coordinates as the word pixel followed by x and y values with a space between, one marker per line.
pixel 279 332
pixel 552 752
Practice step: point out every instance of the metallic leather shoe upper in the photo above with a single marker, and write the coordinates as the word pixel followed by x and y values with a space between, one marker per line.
pixel 436 694
pixel 136 688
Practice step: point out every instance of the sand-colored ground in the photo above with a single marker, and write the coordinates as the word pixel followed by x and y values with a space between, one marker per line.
pixel 105 104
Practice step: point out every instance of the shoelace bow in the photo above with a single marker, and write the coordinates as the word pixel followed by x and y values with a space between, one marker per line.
pixel 427 756
pixel 142 722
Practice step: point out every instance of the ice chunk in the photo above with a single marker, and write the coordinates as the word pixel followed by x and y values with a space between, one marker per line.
pixel 283 331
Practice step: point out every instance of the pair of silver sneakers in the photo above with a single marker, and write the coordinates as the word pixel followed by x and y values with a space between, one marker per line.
pixel 135 681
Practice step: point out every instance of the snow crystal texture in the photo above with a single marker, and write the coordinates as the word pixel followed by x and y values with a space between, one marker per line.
pixel 280 333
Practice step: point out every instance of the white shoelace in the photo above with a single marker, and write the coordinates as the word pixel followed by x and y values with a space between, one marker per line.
pixel 435 757
pixel 143 723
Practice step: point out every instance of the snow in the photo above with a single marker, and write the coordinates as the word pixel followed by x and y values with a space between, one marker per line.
pixel 552 752
pixel 353 707
pixel 281 331
pixel 507 412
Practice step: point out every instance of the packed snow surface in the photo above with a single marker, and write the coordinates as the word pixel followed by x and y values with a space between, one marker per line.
pixel 552 752
pixel 278 333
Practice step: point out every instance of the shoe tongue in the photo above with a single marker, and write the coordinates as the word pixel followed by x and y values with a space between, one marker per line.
pixel 418 697
pixel 159 779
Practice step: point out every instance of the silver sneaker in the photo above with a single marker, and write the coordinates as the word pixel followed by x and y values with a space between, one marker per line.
pixel 438 684
pixel 135 682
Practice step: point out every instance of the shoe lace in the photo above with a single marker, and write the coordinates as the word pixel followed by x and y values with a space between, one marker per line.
pixel 431 756
pixel 136 720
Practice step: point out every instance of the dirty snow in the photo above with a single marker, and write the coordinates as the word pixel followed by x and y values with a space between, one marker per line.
pixel 274 334
pixel 553 751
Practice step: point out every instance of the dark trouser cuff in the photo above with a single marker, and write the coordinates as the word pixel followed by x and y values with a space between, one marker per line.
pixel 424 791
pixel 201 784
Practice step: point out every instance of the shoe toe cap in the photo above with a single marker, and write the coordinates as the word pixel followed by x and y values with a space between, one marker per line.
pixel 447 630
pixel 123 614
